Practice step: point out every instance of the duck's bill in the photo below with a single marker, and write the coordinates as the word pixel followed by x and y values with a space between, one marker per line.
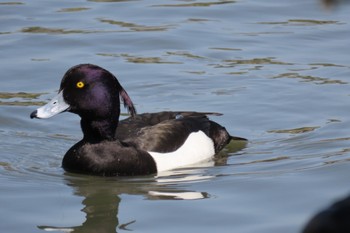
pixel 55 106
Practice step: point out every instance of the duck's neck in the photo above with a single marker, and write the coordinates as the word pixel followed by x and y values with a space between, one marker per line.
pixel 99 130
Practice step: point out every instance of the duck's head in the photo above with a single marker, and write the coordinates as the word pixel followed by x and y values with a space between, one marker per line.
pixel 89 91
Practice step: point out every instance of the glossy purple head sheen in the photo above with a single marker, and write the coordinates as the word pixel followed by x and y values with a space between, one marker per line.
pixel 94 94
pixel 99 96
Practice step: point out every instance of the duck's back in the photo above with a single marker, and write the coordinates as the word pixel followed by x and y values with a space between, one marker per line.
pixel 167 131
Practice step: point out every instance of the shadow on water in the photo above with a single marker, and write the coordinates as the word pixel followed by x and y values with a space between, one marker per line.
pixel 102 194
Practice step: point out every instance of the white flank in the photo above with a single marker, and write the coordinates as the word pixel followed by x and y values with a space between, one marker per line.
pixel 198 147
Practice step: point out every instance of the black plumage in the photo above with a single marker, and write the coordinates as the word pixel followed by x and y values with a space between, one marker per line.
pixel 334 219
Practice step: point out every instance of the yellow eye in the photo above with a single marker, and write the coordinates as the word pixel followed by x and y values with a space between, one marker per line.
pixel 80 84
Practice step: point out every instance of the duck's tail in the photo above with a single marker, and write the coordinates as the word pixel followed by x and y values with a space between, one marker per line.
pixel 238 138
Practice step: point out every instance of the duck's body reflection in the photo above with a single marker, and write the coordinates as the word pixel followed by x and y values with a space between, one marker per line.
pixel 101 208
pixel 102 198
pixel 101 205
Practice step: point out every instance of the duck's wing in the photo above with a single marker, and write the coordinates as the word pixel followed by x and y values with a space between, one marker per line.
pixel 168 135
pixel 130 127
pixel 167 131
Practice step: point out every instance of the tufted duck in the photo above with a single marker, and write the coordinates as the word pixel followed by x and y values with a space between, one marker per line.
pixel 139 145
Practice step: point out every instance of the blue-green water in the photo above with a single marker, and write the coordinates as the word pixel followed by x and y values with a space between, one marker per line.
pixel 278 71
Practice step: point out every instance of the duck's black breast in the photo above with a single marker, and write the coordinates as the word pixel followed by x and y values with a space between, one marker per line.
pixel 167 131
pixel 108 158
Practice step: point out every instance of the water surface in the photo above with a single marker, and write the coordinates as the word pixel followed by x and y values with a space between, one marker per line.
pixel 277 70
